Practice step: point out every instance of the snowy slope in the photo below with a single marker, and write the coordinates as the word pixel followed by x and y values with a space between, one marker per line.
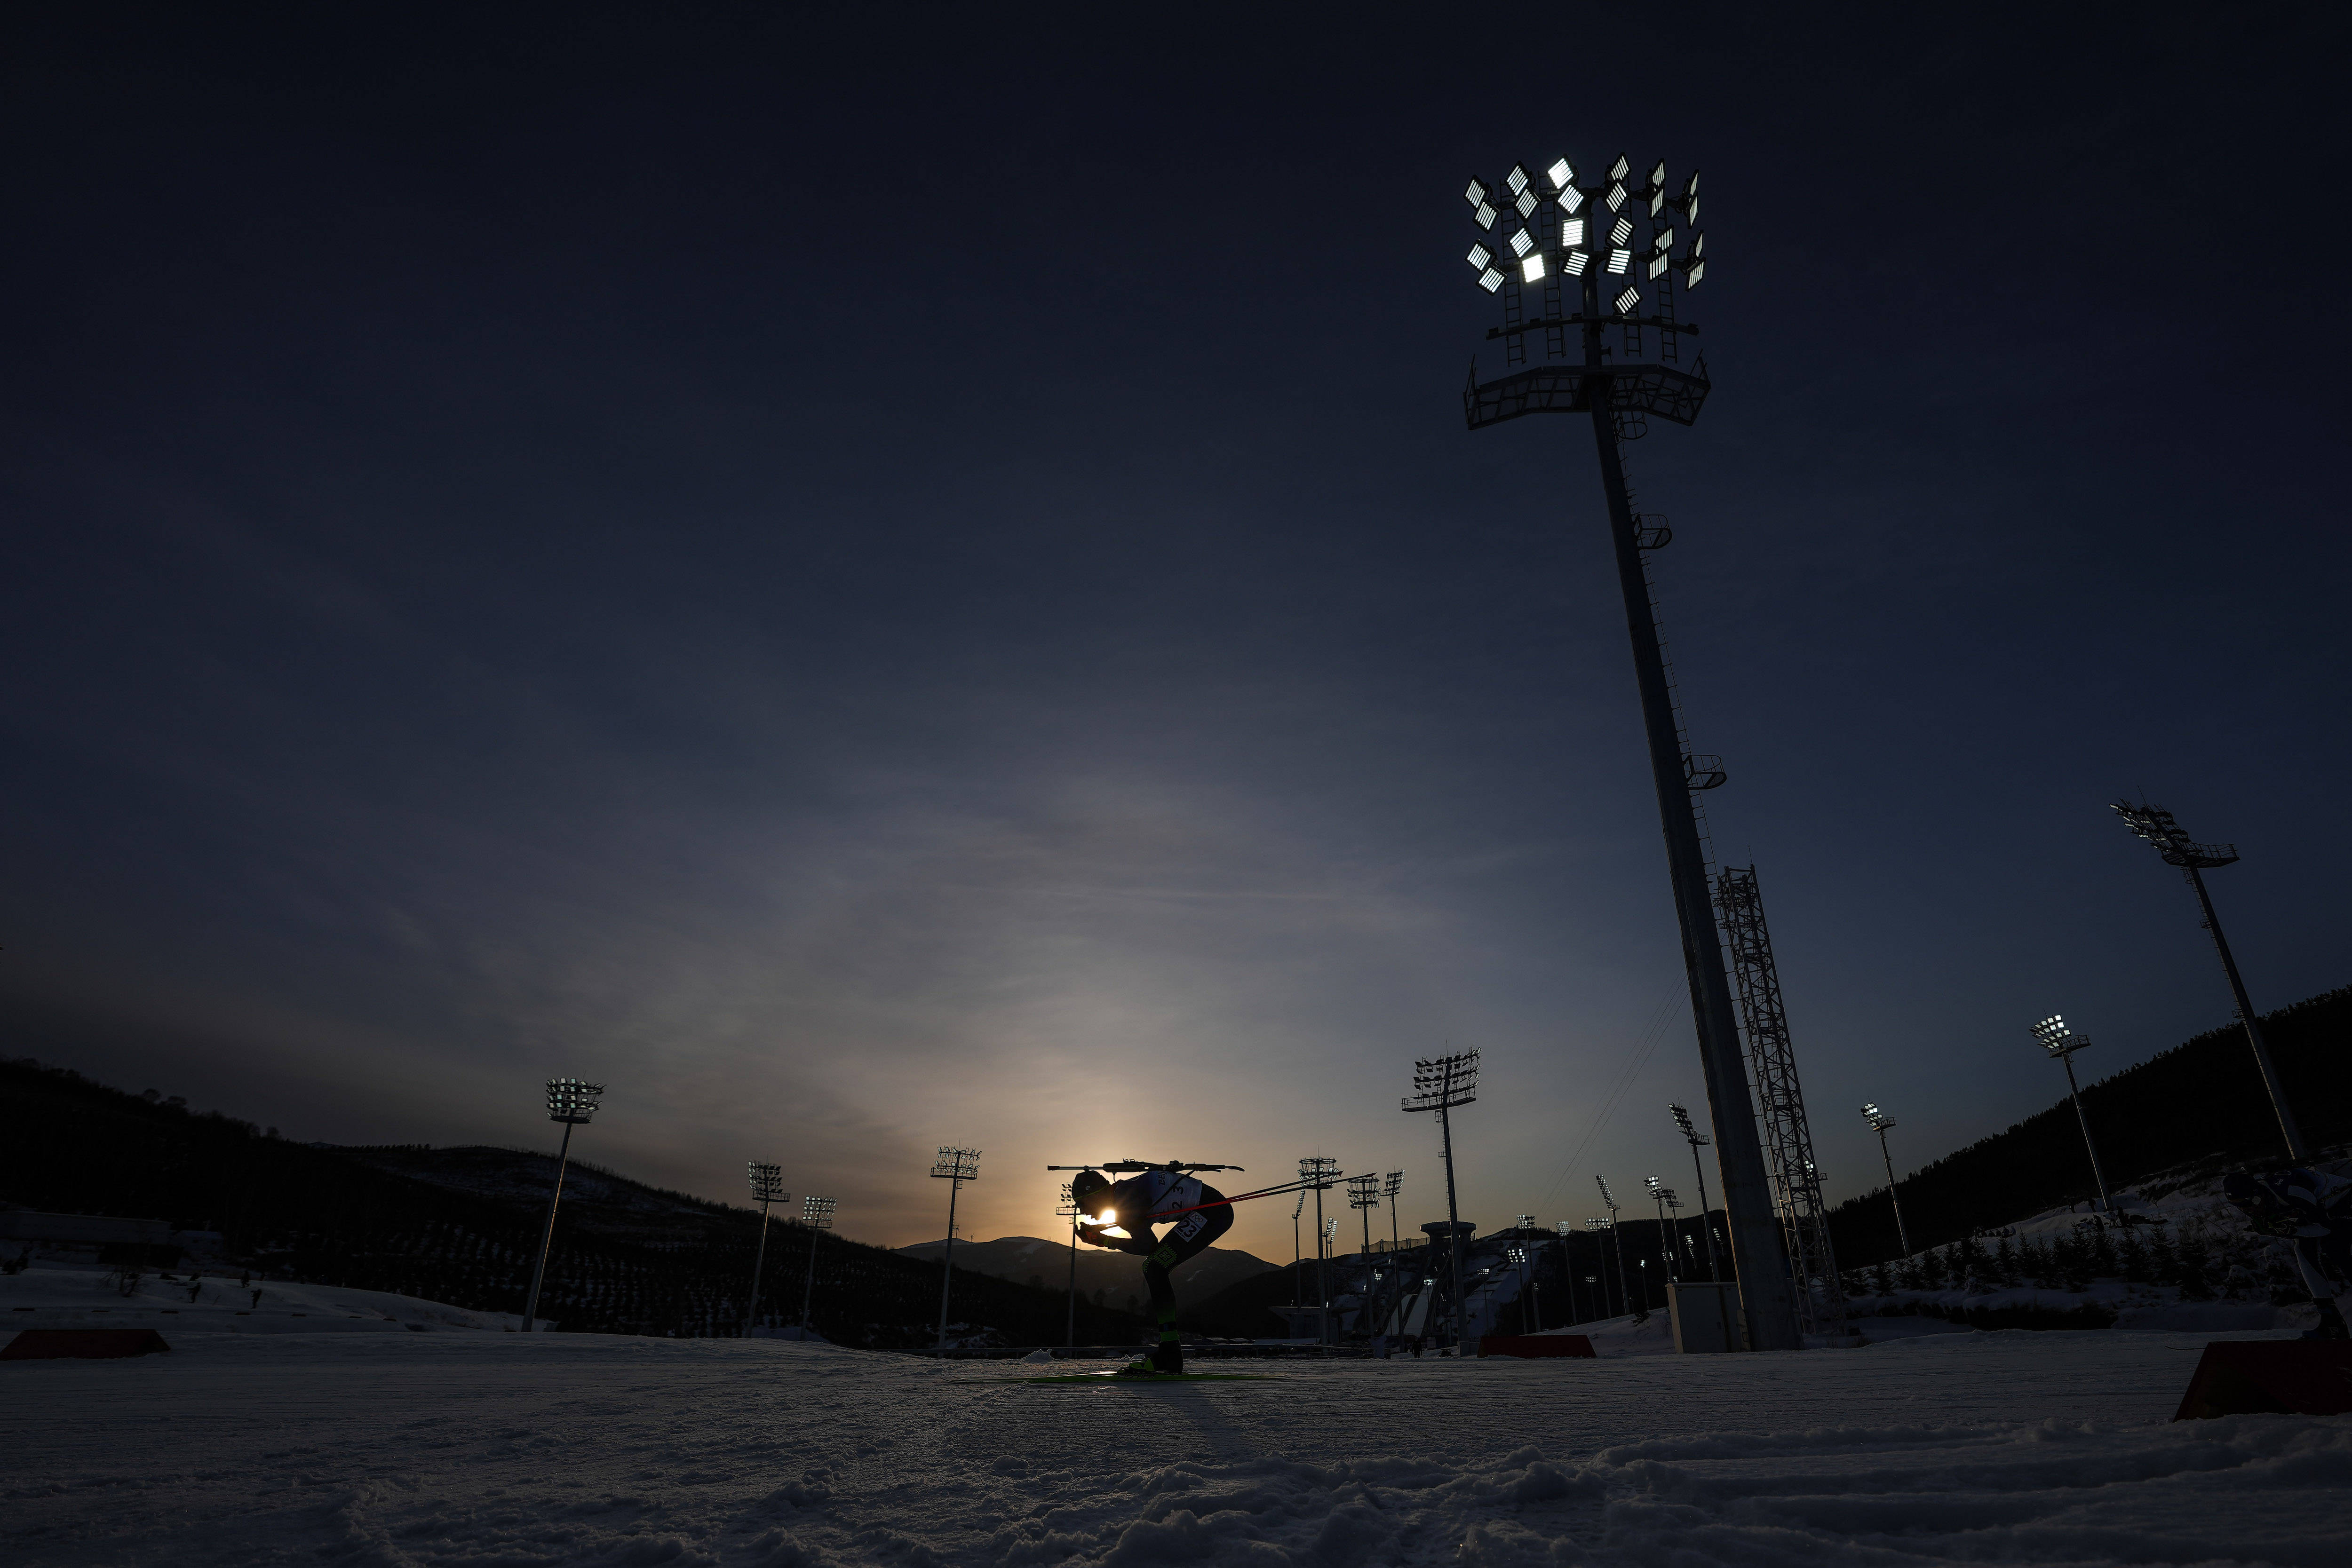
pixel 400 1452
pixel 85 1296
pixel 2246 1281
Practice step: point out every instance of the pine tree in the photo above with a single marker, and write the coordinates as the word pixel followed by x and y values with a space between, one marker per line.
pixel 2163 1262
pixel 2131 1256
pixel 2196 1269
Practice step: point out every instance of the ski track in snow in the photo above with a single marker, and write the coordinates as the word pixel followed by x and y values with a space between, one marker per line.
pixel 474 1450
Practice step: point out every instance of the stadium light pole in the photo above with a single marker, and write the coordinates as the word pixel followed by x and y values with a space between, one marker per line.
pixel 1598 1227
pixel 1559 238
pixel 1299 1254
pixel 1363 1196
pixel 816 1213
pixel 572 1101
pixel 1392 1184
pixel 2052 1035
pixel 768 1187
pixel 1663 1196
pixel 1441 1083
pixel 1524 1224
pixel 1314 1169
pixel 1069 1209
pixel 1881 1123
pixel 1698 1141
pixel 1617 1242
pixel 2172 841
pixel 954 1166
pixel 1567 1264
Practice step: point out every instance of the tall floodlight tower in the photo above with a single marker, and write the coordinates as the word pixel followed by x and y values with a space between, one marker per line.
pixel 1617 1244
pixel 1570 262
pixel 2155 824
pixel 1069 1210
pixel 954 1166
pixel 572 1101
pixel 1882 1123
pixel 768 1187
pixel 1315 1171
pixel 1788 1139
pixel 816 1213
pixel 1698 1141
pixel 1392 1184
pixel 1443 1084
pixel 2052 1035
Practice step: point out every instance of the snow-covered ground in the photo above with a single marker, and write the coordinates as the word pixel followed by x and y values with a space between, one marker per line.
pixel 56 1296
pixel 497 1450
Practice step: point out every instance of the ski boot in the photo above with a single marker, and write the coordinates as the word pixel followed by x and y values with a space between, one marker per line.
pixel 1141 1366
pixel 1168 1358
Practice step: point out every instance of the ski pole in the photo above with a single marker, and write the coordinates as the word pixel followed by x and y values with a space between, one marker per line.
pixel 1237 1198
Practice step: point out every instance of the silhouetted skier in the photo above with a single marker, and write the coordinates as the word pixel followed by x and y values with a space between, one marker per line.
pixel 1200 1214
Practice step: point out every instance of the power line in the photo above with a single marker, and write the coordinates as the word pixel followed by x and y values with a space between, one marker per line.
pixel 1644 1049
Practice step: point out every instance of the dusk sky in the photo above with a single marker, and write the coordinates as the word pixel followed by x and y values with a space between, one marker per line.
pixel 876 577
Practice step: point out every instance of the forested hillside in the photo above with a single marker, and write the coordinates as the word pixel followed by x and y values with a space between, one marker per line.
pixel 2200 1100
pixel 460 1225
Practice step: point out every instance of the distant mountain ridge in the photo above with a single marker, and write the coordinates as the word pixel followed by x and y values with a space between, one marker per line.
pixel 462 1226
pixel 1033 1260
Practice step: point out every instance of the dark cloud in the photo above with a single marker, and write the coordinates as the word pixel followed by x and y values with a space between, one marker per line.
pixel 911 576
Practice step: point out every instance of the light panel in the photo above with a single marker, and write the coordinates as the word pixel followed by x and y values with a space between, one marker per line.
pixel 1476 194
pixel 1571 230
pixel 1663 241
pixel 1479 256
pixel 1562 175
pixel 1619 260
pixel 1531 270
pixel 1627 300
pixel 1616 197
pixel 1693 270
pixel 1486 215
pixel 1517 178
pixel 1526 204
pixel 1621 231
pixel 1620 168
pixel 1573 263
pixel 1490 280
pixel 1658 268
pixel 1571 199
pixel 573 1100
pixel 1522 243
pixel 1698 245
pixel 1658 176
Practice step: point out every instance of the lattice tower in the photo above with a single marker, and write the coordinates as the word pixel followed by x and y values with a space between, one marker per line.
pixel 1788 1141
